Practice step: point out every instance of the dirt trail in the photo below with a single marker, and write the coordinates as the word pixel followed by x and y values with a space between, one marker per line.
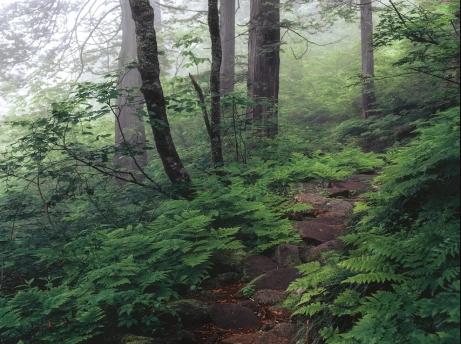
pixel 259 318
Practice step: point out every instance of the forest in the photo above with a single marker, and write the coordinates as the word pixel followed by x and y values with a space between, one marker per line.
pixel 229 172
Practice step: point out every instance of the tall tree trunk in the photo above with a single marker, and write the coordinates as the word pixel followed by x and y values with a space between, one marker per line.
pixel 149 68
pixel 130 135
pixel 368 64
pixel 264 65
pixel 215 83
pixel 228 45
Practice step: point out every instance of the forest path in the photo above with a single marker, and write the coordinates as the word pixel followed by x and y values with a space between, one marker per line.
pixel 234 318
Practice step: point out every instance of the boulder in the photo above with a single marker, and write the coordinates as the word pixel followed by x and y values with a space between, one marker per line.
pixel 269 296
pixel 285 330
pixel 233 317
pixel 192 313
pixel 271 338
pixel 255 266
pixel 321 230
pixel 278 279
pixel 287 255
pixel 315 200
pixel 314 253
pixel 336 208
pixel 352 186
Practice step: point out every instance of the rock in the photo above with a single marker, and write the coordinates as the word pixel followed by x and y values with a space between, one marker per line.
pixel 255 266
pixel 192 313
pixel 314 253
pixel 287 255
pixel 321 230
pixel 222 280
pixel 278 279
pixel 337 208
pixel 271 338
pixel 352 186
pixel 315 200
pixel 249 304
pixel 233 317
pixel 269 297
pixel 285 330
pixel 131 339
pixel 249 338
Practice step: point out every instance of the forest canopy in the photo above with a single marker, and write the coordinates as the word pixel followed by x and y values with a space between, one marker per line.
pixel 229 171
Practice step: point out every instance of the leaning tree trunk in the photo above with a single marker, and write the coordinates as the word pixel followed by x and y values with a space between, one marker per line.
pixel 130 135
pixel 149 68
pixel 228 45
pixel 215 83
pixel 264 65
pixel 368 65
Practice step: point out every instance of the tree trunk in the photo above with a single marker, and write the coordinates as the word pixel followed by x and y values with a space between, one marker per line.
pixel 228 45
pixel 368 65
pixel 130 135
pixel 264 65
pixel 149 69
pixel 215 83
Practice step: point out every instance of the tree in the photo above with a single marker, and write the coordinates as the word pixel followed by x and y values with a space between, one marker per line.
pixel 227 16
pixel 368 66
pixel 130 135
pixel 215 83
pixel 264 65
pixel 149 68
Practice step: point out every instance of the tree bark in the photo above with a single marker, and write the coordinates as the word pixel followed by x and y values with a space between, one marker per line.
pixel 149 68
pixel 215 83
pixel 264 66
pixel 368 67
pixel 130 135
pixel 227 10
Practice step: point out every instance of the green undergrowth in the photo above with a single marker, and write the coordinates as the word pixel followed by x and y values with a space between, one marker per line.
pixel 105 259
pixel 398 279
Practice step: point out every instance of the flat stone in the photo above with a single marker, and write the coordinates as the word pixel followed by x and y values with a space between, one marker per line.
pixel 315 200
pixel 336 208
pixel 255 266
pixel 287 255
pixel 278 279
pixel 192 313
pixel 271 338
pixel 321 230
pixel 285 330
pixel 269 296
pixel 314 253
pixel 347 188
pixel 233 317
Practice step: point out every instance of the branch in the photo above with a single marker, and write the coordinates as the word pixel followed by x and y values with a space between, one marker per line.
pixel 202 102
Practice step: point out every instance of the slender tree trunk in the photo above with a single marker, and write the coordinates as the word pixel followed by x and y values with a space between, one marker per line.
pixel 264 65
pixel 130 135
pixel 368 65
pixel 228 45
pixel 149 69
pixel 215 83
